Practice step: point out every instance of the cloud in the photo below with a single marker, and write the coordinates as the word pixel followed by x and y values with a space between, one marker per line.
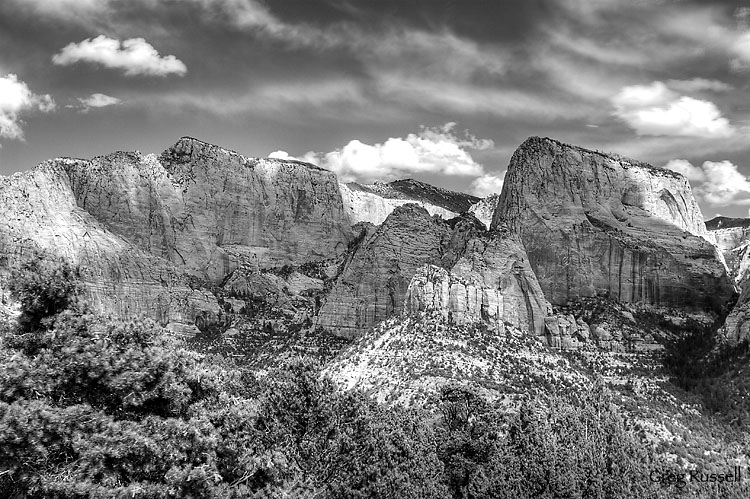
pixel 15 99
pixel 433 150
pixel 685 167
pixel 488 184
pixel 740 49
pixel 280 155
pixel 657 110
pixel 724 184
pixel 98 100
pixel 698 85
pixel 720 182
pixel 134 56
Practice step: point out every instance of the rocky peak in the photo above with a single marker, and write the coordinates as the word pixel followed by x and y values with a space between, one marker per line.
pixel 572 177
pixel 596 224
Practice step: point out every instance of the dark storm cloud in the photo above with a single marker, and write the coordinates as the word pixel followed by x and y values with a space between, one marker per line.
pixel 659 80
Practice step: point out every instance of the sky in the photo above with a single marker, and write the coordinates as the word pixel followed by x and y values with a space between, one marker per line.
pixel 438 90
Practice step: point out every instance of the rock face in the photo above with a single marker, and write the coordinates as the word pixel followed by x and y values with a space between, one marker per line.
pixel 602 225
pixel 491 283
pixel 484 209
pixel 204 208
pixel 142 227
pixel 373 203
pixel 39 216
pixel 732 237
pixel 377 274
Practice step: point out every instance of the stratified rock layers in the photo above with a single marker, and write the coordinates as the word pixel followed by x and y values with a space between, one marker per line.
pixel 39 217
pixel 492 283
pixel 203 207
pixel 601 225
pixel 377 274
pixel 142 227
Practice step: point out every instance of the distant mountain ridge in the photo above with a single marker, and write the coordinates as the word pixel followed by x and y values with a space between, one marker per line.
pixel 457 202
pixel 374 202
pixel 720 222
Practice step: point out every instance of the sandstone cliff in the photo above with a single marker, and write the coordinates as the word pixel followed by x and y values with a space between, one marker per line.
pixel 205 208
pixel 373 203
pixel 141 227
pixel 39 216
pixel 492 283
pixel 377 274
pixel 602 225
pixel 732 237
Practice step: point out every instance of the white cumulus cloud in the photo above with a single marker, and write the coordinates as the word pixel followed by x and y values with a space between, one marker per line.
pixel 134 56
pixel 15 99
pixel 724 183
pixel 488 184
pixel 685 167
pixel 655 109
pixel 433 150
pixel 720 183
pixel 280 155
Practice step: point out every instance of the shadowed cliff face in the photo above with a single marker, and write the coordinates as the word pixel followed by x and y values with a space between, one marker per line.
pixel 599 225
pixel 204 208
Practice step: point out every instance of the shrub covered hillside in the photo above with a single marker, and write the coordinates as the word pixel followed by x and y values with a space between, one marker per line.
pixel 92 408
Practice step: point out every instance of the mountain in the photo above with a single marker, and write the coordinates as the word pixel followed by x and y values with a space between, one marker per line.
pixel 602 225
pixel 374 202
pixel 205 208
pixel 153 234
pixel 378 270
pixel 588 268
pixel 718 223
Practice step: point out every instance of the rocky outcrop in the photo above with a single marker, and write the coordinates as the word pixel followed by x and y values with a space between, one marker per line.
pixel 206 209
pixel 491 283
pixel 378 272
pixel 732 237
pixel 39 217
pixel 484 209
pixel 373 203
pixel 601 225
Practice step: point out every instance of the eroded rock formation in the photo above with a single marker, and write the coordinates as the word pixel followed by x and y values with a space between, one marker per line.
pixel 492 283
pixel 602 225
pixel 377 274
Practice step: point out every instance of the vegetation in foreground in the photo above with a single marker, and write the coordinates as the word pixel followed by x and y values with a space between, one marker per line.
pixel 96 408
